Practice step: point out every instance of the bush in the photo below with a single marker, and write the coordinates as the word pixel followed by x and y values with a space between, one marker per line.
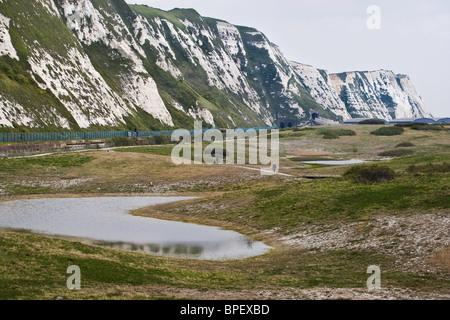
pixel 370 174
pixel 336 133
pixel 396 153
pixel 388 131
pixel 372 121
pixel 148 141
pixel 405 145
pixel 346 132
pixel 163 139
pixel 122 141
pixel 330 135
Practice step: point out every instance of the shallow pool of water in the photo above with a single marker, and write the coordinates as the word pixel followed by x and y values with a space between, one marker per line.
pixel 335 162
pixel 106 221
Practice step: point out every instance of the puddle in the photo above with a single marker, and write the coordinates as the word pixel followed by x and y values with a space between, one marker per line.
pixel 335 162
pixel 106 221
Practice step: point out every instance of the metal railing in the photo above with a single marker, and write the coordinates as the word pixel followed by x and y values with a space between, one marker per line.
pixel 14 137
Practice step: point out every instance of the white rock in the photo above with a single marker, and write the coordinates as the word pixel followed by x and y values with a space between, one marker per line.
pixel 319 86
pixel 380 94
pixel 6 46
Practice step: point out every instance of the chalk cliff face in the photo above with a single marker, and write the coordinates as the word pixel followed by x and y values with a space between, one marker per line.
pixel 381 94
pixel 104 64
pixel 319 85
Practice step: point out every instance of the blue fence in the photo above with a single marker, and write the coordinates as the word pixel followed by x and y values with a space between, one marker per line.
pixel 58 136
pixel 92 135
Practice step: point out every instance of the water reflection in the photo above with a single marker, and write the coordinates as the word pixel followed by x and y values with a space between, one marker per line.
pixel 208 250
pixel 173 250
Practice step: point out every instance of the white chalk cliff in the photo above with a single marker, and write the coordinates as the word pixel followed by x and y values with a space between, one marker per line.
pixel 89 63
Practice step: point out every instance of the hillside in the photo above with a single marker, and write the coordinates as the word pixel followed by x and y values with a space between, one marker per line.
pixel 92 64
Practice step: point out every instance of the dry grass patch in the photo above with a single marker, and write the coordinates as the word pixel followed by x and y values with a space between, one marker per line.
pixel 211 209
pixel 441 259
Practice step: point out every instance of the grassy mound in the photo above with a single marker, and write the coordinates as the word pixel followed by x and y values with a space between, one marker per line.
pixel 405 145
pixel 336 133
pixel 388 131
pixel 396 153
pixel 370 174
pixel 372 121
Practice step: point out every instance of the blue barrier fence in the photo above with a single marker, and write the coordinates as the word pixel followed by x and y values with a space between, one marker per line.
pixel 58 136
pixel 92 135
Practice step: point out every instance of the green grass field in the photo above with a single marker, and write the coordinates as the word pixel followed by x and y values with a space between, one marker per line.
pixel 324 232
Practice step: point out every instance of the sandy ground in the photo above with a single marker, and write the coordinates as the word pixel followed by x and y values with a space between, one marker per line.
pixel 413 240
pixel 290 293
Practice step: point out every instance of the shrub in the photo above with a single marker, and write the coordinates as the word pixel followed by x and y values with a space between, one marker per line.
pixel 396 153
pixel 336 133
pixel 346 132
pixel 372 121
pixel 388 131
pixel 330 135
pixel 163 139
pixel 122 141
pixel 370 173
pixel 148 141
pixel 405 145
pixel 307 129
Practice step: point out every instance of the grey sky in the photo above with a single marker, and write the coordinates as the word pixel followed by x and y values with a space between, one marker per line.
pixel 414 38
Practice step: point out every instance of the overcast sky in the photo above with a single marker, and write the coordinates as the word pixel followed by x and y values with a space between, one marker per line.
pixel 414 37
